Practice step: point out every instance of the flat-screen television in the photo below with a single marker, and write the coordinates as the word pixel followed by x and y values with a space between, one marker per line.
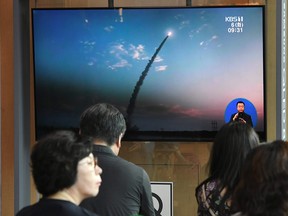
pixel 176 73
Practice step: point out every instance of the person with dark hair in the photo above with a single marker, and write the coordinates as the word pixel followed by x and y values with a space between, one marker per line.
pixel 231 145
pixel 126 188
pixel 240 115
pixel 263 185
pixel 65 172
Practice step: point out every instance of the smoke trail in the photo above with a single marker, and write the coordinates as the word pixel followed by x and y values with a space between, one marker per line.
pixel 132 102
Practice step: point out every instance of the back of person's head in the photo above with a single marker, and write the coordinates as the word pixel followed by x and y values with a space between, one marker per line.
pixel 103 122
pixel 231 145
pixel 263 186
pixel 54 161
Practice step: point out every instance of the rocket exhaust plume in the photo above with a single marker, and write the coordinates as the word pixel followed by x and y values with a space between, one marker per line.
pixel 132 102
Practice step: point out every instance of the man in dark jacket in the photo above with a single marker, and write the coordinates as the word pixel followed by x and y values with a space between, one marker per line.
pixel 125 188
pixel 241 115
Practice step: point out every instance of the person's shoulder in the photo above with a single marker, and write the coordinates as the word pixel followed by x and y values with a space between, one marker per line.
pixel 24 211
pixel 55 207
pixel 207 185
pixel 70 209
pixel 30 209
pixel 238 214
pixel 134 169
pixel 129 164
pixel 209 182
pixel 247 114
pixel 88 213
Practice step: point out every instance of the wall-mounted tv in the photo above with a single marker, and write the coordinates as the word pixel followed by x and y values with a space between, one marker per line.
pixel 176 73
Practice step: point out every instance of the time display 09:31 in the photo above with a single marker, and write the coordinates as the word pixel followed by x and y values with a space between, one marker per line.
pixel 236 24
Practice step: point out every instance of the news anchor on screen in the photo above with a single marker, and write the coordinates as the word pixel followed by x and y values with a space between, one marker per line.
pixel 240 115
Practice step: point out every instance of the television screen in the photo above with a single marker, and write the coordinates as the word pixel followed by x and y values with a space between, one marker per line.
pixel 176 73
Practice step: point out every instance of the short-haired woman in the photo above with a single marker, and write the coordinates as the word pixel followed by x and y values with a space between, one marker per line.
pixel 65 172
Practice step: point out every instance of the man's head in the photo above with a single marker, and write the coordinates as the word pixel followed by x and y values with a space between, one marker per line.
pixel 103 122
pixel 240 106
